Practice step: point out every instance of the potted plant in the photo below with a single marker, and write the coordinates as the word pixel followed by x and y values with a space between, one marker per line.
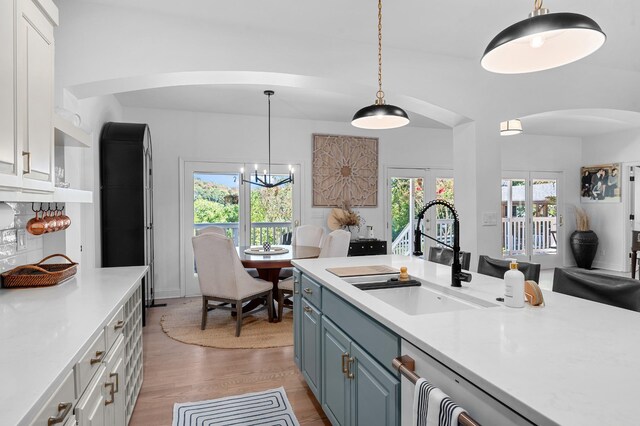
pixel 348 220
pixel 583 241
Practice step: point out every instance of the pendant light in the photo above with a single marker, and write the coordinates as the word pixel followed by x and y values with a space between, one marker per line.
pixel 380 115
pixel 511 127
pixel 267 179
pixel 543 41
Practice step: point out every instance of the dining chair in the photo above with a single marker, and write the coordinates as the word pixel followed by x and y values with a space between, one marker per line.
pixel 211 230
pixel 307 235
pixel 222 278
pixel 497 268
pixel 336 244
pixel 612 290
pixel 444 256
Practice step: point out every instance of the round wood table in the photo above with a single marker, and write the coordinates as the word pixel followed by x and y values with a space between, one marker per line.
pixel 269 266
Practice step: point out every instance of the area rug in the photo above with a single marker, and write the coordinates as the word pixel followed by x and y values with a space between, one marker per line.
pixel 182 323
pixel 268 408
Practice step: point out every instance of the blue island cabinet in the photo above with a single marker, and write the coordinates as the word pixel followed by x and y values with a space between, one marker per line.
pixel 345 357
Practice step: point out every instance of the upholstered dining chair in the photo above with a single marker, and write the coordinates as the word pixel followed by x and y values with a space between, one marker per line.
pixel 223 279
pixel 497 268
pixel 336 244
pixel 211 230
pixel 444 256
pixel 307 235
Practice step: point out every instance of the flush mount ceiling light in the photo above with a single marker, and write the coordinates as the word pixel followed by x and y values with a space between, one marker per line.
pixel 380 115
pixel 543 41
pixel 511 127
pixel 267 180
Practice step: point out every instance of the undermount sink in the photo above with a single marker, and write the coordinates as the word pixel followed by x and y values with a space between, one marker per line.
pixel 426 299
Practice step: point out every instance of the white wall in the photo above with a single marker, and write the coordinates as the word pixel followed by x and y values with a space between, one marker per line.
pixel 549 154
pixel 611 220
pixel 235 138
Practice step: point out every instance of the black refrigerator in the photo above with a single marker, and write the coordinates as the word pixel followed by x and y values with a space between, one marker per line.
pixel 126 200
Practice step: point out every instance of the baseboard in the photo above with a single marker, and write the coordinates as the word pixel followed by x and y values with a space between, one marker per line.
pixel 167 294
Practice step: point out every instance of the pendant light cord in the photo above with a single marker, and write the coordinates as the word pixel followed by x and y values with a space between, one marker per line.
pixel 269 131
pixel 380 94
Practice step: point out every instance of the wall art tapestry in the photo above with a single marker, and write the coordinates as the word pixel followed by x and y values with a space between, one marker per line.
pixel 345 171
pixel 600 184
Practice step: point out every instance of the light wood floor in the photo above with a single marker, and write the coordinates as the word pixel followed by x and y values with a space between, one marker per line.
pixel 177 372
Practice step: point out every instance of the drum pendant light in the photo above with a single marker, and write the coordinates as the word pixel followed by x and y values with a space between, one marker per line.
pixel 542 41
pixel 380 115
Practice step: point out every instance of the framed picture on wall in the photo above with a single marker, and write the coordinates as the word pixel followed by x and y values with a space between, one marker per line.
pixel 600 184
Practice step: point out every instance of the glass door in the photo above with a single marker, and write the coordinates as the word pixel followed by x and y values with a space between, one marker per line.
pixel 531 217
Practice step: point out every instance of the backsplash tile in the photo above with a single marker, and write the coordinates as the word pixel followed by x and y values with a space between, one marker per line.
pixel 33 251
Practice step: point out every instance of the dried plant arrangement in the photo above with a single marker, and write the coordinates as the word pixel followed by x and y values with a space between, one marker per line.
pixel 582 220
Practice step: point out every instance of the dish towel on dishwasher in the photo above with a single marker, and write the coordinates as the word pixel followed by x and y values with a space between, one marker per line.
pixel 432 407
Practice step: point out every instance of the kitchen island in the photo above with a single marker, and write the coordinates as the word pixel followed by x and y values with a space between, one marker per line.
pixel 570 362
pixel 57 341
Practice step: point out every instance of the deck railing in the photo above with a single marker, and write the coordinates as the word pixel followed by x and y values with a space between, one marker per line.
pixel 403 243
pixel 261 232
pixel 514 234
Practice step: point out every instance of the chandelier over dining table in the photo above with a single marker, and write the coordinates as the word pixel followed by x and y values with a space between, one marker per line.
pixel 266 179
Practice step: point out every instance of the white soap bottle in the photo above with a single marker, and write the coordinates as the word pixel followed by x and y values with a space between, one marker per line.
pixel 514 286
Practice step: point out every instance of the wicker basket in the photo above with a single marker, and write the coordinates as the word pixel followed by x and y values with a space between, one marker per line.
pixel 39 274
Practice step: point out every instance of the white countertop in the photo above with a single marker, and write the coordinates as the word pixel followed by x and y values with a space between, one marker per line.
pixel 43 330
pixel 570 362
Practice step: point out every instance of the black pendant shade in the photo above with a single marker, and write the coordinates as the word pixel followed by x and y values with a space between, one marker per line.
pixel 380 117
pixel 542 42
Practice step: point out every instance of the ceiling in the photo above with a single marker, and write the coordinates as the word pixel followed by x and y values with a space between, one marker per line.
pixel 460 29
pixel 581 122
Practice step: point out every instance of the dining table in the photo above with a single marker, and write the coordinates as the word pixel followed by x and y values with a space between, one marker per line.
pixel 270 265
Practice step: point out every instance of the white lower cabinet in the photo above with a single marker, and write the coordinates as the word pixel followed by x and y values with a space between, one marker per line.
pixel 90 410
pixel 59 408
pixel 114 385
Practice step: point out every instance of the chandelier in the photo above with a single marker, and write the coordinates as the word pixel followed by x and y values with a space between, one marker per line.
pixel 267 180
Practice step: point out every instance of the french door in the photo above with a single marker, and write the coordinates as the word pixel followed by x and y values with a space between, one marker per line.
pixel 532 219
pixel 407 192
pixel 214 194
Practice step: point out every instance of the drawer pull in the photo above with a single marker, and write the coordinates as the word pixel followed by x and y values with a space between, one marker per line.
pixel 119 325
pixel 344 357
pixel 349 373
pixel 111 392
pixel 308 309
pixel 117 380
pixel 308 291
pixel 63 410
pixel 98 358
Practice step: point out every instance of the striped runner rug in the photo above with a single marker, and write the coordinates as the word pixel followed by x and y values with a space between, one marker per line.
pixel 268 408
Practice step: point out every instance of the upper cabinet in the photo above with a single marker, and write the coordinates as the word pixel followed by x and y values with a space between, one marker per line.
pixel 29 130
pixel 8 138
pixel 35 56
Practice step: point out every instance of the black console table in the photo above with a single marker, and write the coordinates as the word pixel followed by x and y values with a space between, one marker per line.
pixel 367 247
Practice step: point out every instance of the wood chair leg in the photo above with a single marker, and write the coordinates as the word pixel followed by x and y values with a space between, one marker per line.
pixel 204 312
pixel 280 304
pixel 238 317
pixel 270 305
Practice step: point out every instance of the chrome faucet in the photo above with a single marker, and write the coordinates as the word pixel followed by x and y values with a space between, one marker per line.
pixel 456 268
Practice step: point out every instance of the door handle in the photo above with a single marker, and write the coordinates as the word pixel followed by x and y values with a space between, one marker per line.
pixel 560 220
pixel 344 357
pixel 28 167
pixel 308 309
pixel 111 392
pixel 63 410
pixel 117 381
pixel 308 291
pixel 349 373
pixel 98 358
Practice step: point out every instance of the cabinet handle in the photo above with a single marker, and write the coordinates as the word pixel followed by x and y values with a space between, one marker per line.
pixel 63 410
pixel 98 358
pixel 117 380
pixel 119 325
pixel 308 291
pixel 295 286
pixel 109 384
pixel 28 169
pixel 349 373
pixel 308 309
pixel 344 357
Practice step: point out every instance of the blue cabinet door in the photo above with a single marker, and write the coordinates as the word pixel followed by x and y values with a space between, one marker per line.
pixel 297 319
pixel 335 383
pixel 375 394
pixel 311 335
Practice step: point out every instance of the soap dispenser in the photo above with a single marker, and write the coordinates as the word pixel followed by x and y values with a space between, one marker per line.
pixel 514 286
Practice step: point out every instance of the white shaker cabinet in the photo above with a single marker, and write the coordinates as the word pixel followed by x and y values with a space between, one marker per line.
pixel 90 410
pixel 34 67
pixel 8 139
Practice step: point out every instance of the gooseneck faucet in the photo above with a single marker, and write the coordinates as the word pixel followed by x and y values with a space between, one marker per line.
pixel 456 268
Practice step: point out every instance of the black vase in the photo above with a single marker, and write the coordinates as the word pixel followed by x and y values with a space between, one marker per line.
pixel 584 245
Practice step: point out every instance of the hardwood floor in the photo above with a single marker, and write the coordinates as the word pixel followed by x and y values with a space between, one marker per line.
pixel 177 372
